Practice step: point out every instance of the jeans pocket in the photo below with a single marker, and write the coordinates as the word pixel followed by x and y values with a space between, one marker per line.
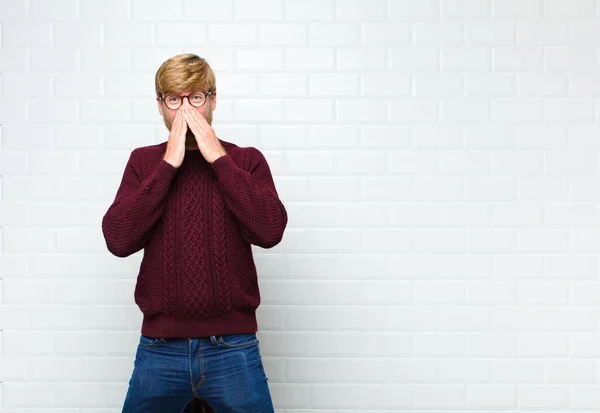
pixel 238 340
pixel 146 341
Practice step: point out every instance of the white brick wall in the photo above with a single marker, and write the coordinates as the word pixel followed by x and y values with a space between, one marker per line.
pixel 439 160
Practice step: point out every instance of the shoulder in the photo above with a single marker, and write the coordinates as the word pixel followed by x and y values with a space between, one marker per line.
pixel 248 157
pixel 145 158
pixel 150 151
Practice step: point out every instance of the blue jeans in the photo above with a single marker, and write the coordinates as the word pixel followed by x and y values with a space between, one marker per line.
pixel 226 371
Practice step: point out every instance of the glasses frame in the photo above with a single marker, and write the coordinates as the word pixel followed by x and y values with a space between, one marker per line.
pixel 206 96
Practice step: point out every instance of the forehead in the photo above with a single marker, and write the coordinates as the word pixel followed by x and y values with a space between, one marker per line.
pixel 186 91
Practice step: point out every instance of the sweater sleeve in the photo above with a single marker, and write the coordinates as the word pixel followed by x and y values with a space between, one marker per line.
pixel 252 198
pixel 137 207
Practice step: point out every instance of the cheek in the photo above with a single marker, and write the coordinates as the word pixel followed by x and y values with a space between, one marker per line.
pixel 170 115
pixel 205 111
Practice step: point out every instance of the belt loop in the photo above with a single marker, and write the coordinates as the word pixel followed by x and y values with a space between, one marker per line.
pixel 213 340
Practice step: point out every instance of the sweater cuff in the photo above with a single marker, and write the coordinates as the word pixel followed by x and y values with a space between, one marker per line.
pixel 224 167
pixel 165 171
pixel 162 176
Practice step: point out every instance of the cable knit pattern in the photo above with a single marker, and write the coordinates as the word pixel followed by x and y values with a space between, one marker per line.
pixel 195 225
pixel 167 252
pixel 194 249
pixel 220 249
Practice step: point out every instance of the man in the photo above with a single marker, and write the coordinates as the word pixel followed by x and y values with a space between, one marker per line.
pixel 195 204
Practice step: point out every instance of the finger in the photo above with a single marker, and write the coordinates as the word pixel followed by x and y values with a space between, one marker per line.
pixel 191 116
pixel 198 119
pixel 193 125
pixel 179 124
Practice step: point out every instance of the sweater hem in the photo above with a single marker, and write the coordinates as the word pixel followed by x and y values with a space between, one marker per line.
pixel 165 326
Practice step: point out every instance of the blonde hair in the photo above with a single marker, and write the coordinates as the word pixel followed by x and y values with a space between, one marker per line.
pixel 183 72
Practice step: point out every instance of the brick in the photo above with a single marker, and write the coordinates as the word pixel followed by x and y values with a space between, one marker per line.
pixel 22 34
pixel 151 10
pixel 194 10
pixel 362 10
pixel 110 60
pixel 491 34
pixel 439 34
pixel 145 59
pixel 568 110
pixel 58 10
pixel 77 86
pixel 223 34
pixel 570 58
pixel 542 84
pixel 466 59
pixel 26 86
pixel 343 84
pixel 517 58
pixel 308 110
pixel 16 11
pixel 570 10
pixel 414 11
pixel 364 110
pixel 542 396
pixel 280 84
pixel 309 10
pixel 438 85
pixel 333 34
pixel 69 137
pixel 491 85
pixel 128 34
pixel 333 136
pixel 414 110
pixel 386 84
pixel 279 34
pixel 126 85
pixel 514 9
pixel 542 33
pixel 258 10
pixel 516 110
pixel 108 11
pixel 53 59
pixel 309 59
pixel 246 84
pixel 258 110
pixel 465 9
pixel 13 60
pixel 98 110
pixel 390 33
pixel 583 32
pixel 465 110
pixel 259 60
pixel 52 110
pixel 364 59
pixel 181 34
pixel 26 137
pixel 77 34
pixel 492 396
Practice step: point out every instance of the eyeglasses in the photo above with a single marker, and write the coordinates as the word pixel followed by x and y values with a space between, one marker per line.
pixel 196 99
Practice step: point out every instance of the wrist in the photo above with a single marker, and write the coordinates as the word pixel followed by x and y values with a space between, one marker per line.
pixel 169 161
pixel 219 155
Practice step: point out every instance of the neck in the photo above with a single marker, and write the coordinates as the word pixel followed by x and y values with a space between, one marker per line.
pixel 190 141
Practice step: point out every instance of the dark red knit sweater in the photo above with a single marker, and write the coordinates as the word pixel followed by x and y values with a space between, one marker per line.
pixel 196 223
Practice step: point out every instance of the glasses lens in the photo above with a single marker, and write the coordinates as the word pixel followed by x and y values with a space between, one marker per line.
pixel 173 101
pixel 197 98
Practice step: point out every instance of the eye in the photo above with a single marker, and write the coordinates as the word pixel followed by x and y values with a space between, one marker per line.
pixel 173 98
pixel 197 96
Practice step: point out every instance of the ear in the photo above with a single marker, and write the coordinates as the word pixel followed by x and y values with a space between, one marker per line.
pixel 160 107
pixel 213 100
